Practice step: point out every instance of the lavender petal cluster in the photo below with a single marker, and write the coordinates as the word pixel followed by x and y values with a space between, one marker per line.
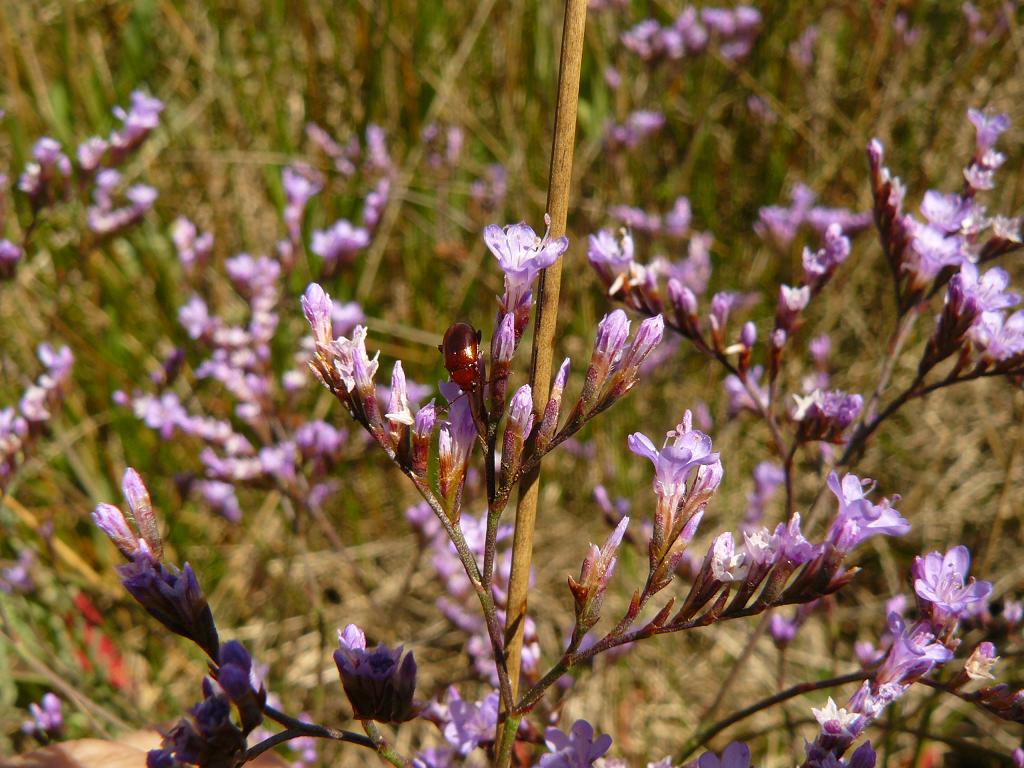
pixel 20 426
pixel 47 721
pixel 733 31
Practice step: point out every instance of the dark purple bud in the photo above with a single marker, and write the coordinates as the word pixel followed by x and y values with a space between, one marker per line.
pixel 235 676
pixel 379 684
pixel 172 597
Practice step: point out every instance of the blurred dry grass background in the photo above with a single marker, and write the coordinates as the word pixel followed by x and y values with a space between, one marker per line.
pixel 240 80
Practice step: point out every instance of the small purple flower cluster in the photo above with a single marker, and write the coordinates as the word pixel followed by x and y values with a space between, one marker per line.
pixel 340 243
pixel 51 177
pixel 945 596
pixel 779 225
pixel 171 595
pixel 733 32
pixel 637 127
pixel 821 415
pixel 20 426
pixel 673 225
pixel 47 721
pixel 443 145
pixel 241 449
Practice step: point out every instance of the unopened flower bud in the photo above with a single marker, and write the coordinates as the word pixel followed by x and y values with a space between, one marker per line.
pixel 422 430
pixel 792 301
pixel 549 422
pixel 596 572
pixel 317 306
pixel 503 347
pixel 612 332
pixel 748 335
pixel 648 336
pixel 520 422
pixel 141 506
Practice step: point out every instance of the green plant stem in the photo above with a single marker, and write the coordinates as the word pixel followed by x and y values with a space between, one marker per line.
pixel 547 315
pixel 559 183
pixel 384 750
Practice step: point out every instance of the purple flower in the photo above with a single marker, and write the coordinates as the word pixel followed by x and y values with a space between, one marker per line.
pixel 913 654
pixel 819 265
pixel 735 755
pixel 221 497
pixel 826 415
pixel 45 179
pixel 90 153
pixel 675 463
pixel 782 630
pixel 299 187
pixel 999 337
pixel 946 213
pixel 171 596
pixel 339 243
pixel 941 580
pixel 988 290
pixel 858 519
pixel 17 578
pixel 193 249
pixel 577 749
pixel 455 441
pixel 317 307
pixel 10 255
pixel 469 724
pixel 989 128
pixel 379 683
pixel 521 256
pixel 141 118
pixel 47 717
pixel 739 395
pixel 611 256
pixel 791 544
pixel 930 251
pixel 839 727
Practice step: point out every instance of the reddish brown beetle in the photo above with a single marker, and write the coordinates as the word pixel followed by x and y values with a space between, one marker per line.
pixel 460 348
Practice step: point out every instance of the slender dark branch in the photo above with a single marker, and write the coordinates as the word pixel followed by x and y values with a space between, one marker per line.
pixel 706 734
pixel 316 732
pixel 296 728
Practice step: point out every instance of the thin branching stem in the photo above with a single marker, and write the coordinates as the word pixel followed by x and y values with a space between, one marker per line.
pixel 385 751
pixel 704 735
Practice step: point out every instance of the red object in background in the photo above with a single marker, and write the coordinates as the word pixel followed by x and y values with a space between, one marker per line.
pixel 96 644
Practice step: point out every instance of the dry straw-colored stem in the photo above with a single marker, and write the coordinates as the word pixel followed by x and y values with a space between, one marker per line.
pixel 560 179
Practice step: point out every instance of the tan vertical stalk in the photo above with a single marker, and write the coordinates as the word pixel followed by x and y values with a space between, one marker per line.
pixel 559 181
